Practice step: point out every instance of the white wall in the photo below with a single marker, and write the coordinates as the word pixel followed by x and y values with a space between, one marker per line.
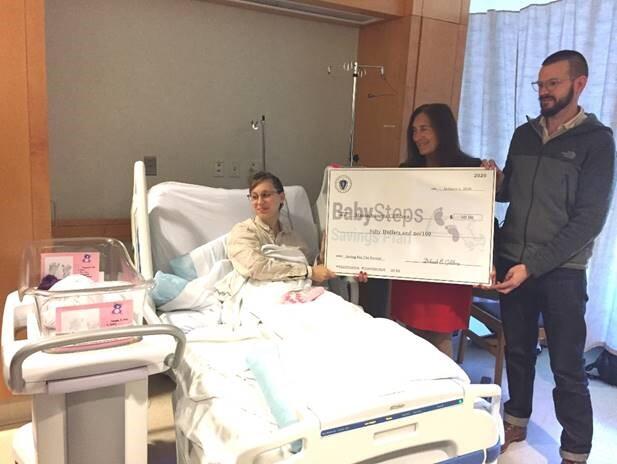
pixel 181 80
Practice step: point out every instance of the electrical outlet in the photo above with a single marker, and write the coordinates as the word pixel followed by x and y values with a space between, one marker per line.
pixel 253 167
pixel 150 165
pixel 234 169
pixel 219 169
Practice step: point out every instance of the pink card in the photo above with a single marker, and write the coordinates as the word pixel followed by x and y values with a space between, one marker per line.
pixel 71 319
pixel 61 265
pixel 94 316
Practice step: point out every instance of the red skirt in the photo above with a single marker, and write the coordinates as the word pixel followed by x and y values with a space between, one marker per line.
pixel 430 306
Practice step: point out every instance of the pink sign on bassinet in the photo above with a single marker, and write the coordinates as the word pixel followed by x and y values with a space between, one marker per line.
pixel 79 318
pixel 61 265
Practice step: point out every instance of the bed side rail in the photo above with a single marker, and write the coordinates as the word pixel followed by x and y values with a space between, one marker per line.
pixel 16 380
pixel 140 224
pixel 307 430
pixel 492 394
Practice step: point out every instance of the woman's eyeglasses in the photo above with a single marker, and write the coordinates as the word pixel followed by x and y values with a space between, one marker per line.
pixel 254 196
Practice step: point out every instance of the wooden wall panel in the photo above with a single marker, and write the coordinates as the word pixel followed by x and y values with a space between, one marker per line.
pixel 24 184
pixel 454 11
pixel 443 10
pixel 438 58
pixel 15 194
pixel 37 112
pixel 413 55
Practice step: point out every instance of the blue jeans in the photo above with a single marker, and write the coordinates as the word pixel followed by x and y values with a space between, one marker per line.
pixel 560 296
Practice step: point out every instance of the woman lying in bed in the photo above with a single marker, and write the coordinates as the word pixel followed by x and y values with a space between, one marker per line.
pixel 246 239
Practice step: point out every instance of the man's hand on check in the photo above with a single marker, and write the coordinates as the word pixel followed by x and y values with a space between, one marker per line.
pixel 361 277
pixel 515 276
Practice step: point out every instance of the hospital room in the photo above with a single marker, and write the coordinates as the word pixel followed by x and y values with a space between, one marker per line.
pixel 308 231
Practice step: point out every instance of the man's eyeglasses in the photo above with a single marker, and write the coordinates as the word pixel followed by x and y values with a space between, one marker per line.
pixel 263 195
pixel 549 85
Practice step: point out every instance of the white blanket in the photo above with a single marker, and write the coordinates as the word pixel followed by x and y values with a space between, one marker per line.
pixel 337 359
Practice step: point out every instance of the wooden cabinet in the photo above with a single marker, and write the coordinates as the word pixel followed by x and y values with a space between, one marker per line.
pixel 24 179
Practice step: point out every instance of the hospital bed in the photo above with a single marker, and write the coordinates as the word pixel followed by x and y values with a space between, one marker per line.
pixel 361 390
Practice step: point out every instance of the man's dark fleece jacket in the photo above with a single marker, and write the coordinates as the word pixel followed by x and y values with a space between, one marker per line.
pixel 559 195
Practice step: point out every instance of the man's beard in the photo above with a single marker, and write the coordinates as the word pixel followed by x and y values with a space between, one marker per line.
pixel 559 104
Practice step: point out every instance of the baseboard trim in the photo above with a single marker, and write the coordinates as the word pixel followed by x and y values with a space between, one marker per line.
pixel 15 411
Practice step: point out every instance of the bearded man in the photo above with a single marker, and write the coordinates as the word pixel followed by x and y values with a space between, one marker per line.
pixel 558 180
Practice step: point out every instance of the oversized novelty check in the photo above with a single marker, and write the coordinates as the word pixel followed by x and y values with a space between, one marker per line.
pixel 427 224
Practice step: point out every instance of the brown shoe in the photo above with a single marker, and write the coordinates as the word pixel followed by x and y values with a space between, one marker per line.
pixel 512 433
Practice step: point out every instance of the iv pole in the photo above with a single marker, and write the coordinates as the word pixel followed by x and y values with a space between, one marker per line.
pixel 358 70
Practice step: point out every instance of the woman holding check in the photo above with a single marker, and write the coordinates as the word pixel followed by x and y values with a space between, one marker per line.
pixel 246 239
pixel 433 310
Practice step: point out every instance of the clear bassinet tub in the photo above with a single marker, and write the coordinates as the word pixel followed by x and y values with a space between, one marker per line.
pixel 83 284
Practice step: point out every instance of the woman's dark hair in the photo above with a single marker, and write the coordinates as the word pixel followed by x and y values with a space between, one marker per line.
pixel 263 176
pixel 448 151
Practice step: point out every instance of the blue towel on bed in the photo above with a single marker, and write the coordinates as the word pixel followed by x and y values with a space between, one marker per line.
pixel 166 287
pixel 184 267
pixel 265 364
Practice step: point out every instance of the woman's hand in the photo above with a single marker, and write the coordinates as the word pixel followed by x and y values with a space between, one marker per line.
pixel 493 280
pixel 361 277
pixel 490 164
pixel 321 273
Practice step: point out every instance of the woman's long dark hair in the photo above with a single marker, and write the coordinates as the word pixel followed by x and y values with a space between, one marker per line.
pixel 448 150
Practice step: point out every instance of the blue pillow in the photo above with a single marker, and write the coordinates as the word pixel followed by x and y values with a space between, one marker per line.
pixel 266 367
pixel 166 287
pixel 183 266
